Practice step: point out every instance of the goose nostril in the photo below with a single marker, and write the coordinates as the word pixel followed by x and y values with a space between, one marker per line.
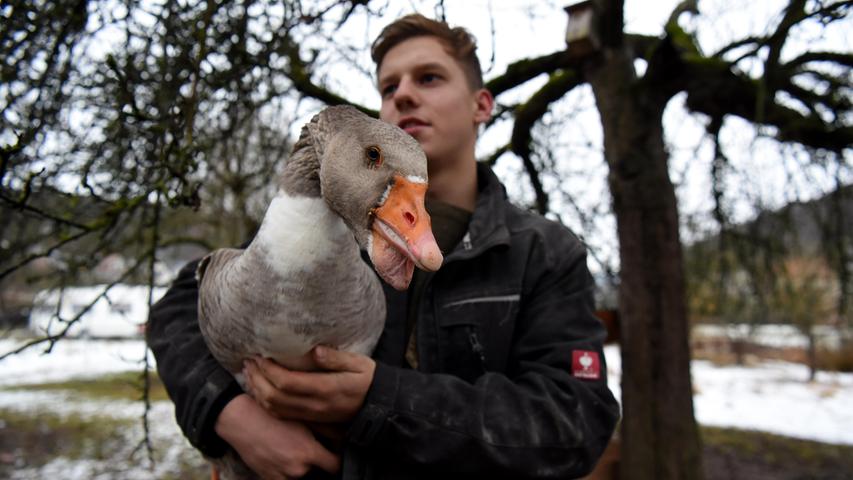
pixel 410 219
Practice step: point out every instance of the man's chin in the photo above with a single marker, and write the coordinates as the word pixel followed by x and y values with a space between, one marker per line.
pixel 421 135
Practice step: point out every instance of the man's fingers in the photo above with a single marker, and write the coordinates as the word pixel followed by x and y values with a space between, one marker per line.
pixel 285 402
pixel 334 360
pixel 259 387
pixel 333 394
pixel 326 460
pixel 288 381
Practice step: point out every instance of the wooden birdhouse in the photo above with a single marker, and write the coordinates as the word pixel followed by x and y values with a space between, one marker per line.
pixel 581 33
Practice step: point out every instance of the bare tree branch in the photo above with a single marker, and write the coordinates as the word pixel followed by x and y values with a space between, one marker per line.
pixel 51 339
pixel 527 115
pixel 299 72
pixel 706 78
pixel 492 159
pixel 522 71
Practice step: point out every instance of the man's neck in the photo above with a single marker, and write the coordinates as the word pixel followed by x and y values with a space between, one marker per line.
pixel 455 184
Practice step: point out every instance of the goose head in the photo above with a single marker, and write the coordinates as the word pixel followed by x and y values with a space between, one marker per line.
pixel 374 176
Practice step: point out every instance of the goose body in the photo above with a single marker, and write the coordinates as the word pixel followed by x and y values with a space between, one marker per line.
pixel 300 283
pixel 351 183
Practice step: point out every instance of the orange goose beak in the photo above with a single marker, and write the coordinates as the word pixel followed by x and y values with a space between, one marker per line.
pixel 402 234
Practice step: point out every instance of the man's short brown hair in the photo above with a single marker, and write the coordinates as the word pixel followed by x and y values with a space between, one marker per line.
pixel 458 43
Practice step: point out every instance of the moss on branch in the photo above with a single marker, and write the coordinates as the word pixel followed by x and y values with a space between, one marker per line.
pixel 300 74
pixel 526 69
pixel 526 116
pixel 715 90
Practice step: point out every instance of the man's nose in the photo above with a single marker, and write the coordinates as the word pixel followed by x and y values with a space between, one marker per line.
pixel 405 96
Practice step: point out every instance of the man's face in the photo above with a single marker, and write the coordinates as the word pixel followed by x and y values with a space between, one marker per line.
pixel 424 91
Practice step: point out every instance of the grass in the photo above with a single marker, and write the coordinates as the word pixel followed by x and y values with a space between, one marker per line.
pixel 33 438
pixel 119 386
pixel 787 457
pixel 39 441
pixel 43 435
pixel 107 446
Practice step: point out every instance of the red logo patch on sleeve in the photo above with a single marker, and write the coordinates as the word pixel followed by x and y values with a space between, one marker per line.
pixel 586 364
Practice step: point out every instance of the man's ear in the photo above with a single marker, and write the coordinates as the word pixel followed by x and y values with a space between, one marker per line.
pixel 485 102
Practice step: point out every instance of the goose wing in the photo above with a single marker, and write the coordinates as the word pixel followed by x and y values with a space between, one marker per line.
pixel 221 316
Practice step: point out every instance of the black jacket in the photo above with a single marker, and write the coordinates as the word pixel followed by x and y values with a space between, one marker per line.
pixel 499 389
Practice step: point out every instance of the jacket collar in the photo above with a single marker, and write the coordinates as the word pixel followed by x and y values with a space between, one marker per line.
pixel 488 222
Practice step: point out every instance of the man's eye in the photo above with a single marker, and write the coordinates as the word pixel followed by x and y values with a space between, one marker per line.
pixel 388 90
pixel 429 77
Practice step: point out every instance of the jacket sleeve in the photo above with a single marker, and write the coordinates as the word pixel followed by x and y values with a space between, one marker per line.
pixel 534 420
pixel 199 387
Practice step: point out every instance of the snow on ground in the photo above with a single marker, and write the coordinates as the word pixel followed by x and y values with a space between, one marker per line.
pixel 772 396
pixel 89 359
pixel 170 448
pixel 770 335
pixel 776 397
pixel 70 359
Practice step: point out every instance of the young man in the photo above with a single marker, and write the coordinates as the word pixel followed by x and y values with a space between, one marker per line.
pixel 491 367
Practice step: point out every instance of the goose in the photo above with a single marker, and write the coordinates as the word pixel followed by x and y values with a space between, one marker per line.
pixel 351 183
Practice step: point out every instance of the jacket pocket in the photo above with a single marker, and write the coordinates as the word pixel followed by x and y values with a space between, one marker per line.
pixel 475 333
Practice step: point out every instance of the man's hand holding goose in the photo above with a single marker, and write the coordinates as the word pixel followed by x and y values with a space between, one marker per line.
pixel 332 394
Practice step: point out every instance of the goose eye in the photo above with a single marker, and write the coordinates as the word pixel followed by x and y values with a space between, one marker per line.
pixel 374 156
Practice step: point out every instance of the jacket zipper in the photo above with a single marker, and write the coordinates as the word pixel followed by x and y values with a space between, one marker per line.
pixel 466 241
pixel 476 346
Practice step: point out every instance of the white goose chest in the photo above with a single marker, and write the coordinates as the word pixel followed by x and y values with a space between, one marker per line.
pixel 300 283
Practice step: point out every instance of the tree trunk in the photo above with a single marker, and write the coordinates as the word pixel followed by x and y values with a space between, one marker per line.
pixel 812 353
pixel 659 435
